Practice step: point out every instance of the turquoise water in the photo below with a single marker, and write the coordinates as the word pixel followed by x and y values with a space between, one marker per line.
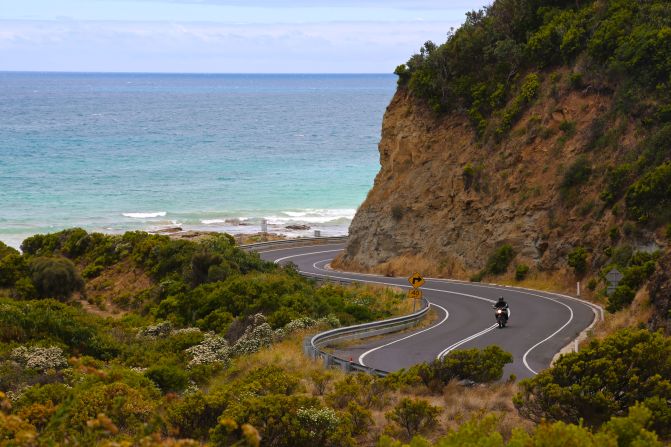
pixel 113 152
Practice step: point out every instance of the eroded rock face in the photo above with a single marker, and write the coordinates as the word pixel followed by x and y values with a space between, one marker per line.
pixel 444 195
pixel 660 295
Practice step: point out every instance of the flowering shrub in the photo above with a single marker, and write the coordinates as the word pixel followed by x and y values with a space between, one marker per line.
pixel 41 359
pixel 160 330
pixel 319 422
pixel 213 349
pixel 254 339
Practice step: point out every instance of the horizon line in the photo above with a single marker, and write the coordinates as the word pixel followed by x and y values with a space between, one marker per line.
pixel 192 73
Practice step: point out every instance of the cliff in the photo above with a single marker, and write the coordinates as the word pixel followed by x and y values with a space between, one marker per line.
pixel 524 141
pixel 443 195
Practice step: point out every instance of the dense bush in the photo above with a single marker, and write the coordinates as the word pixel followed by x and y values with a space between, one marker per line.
pixel 577 259
pixel 477 365
pixel 55 277
pixel 414 415
pixel 577 174
pixel 49 320
pixel 521 271
pixel 603 380
pixel 13 267
pixel 498 261
pixel 651 195
pixel 168 377
pixel 636 268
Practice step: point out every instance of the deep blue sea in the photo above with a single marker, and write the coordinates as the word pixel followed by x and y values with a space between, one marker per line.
pixel 115 152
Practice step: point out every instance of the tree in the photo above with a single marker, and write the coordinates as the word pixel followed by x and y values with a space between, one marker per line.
pixel 603 380
pixel 55 277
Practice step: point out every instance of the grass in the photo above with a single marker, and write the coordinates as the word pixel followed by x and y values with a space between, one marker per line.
pixel 638 313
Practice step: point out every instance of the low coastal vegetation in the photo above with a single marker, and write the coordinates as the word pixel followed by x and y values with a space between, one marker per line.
pixel 196 356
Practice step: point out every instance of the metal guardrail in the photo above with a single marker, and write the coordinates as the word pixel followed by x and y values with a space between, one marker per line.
pixel 312 346
pixel 297 242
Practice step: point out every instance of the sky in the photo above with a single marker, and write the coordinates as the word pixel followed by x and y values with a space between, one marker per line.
pixel 221 36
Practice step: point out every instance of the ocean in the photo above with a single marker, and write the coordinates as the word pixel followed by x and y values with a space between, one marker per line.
pixel 220 152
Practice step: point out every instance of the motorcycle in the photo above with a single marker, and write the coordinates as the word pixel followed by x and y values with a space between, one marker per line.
pixel 501 316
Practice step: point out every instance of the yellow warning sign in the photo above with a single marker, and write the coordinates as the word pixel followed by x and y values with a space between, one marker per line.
pixel 415 294
pixel 416 280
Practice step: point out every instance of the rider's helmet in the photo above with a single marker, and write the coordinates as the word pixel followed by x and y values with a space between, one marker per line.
pixel 501 299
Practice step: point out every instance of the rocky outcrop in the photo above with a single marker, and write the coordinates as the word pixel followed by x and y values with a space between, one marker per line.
pixel 447 197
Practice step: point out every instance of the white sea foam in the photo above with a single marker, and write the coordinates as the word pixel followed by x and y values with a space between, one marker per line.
pixel 313 216
pixel 145 215
pixel 212 221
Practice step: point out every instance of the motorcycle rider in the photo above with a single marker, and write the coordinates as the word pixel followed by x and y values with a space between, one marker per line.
pixel 501 304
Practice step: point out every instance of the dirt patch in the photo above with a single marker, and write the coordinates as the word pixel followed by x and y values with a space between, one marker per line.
pixel 117 288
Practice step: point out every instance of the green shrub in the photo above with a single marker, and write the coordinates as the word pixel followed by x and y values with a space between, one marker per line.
pixel 605 379
pixel 577 259
pixel 576 175
pixel 13 267
pixel 617 180
pixel 6 250
pixel 414 415
pixel 591 285
pixel 510 114
pixel 575 80
pixel 651 195
pixel 477 277
pixel 55 277
pixel 568 127
pixel 54 322
pixel 521 271
pixel 621 298
pixel 477 365
pixel 129 408
pixel 500 259
pixel 360 388
pixel 168 377
pixel 92 271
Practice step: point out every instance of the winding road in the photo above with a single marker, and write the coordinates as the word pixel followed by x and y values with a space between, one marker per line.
pixel 540 325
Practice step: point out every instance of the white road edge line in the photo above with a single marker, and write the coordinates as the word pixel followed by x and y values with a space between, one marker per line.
pixel 447 315
pixel 278 260
pixel 524 359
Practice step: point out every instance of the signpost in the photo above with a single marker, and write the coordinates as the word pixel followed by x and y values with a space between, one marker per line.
pixel 415 294
pixel 613 277
pixel 416 281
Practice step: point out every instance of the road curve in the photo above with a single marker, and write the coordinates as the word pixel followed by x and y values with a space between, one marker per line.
pixel 540 324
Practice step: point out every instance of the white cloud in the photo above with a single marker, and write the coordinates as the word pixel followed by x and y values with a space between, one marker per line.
pixel 212 47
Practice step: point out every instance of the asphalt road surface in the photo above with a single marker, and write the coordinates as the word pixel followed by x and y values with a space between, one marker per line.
pixel 540 323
